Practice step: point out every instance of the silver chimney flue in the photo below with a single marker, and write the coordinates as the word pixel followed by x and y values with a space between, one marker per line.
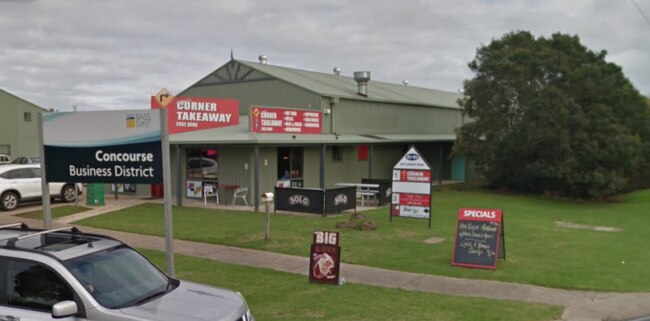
pixel 262 59
pixel 362 78
pixel 337 71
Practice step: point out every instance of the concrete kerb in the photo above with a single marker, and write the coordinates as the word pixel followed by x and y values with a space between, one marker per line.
pixel 579 305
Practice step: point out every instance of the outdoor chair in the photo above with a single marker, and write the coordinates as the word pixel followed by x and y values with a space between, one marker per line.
pixel 210 191
pixel 241 192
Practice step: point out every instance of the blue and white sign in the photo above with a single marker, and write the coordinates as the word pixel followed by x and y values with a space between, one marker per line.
pixel 103 147
pixel 412 160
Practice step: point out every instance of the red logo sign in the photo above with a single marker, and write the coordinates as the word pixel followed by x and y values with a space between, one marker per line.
pixel 412 199
pixel 415 176
pixel 191 113
pixel 479 214
pixel 285 121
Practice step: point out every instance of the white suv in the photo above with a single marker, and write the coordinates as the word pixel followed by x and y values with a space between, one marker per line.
pixel 5 159
pixel 64 274
pixel 22 183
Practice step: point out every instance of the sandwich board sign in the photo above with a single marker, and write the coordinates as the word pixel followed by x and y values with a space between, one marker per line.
pixel 325 258
pixel 411 187
pixel 480 239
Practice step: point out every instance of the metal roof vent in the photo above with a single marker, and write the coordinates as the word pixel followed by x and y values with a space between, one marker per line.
pixel 405 82
pixel 337 71
pixel 362 78
pixel 263 59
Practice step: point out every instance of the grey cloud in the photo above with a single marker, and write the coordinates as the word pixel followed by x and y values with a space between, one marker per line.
pixel 115 54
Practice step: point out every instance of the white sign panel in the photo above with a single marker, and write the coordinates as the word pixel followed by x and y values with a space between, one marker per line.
pixel 411 187
pixel 414 211
pixel 412 160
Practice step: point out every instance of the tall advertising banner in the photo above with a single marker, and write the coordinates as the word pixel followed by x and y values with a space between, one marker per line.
pixel 411 187
pixel 103 147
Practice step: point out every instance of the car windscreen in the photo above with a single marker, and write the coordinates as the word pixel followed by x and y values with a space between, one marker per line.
pixel 119 277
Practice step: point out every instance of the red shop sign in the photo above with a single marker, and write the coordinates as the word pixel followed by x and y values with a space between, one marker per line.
pixel 285 121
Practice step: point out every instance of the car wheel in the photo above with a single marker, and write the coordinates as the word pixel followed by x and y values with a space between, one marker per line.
pixel 67 193
pixel 9 201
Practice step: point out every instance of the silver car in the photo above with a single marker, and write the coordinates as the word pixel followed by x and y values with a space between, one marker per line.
pixel 65 274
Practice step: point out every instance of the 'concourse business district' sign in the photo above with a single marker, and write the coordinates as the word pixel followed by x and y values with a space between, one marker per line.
pixel 103 147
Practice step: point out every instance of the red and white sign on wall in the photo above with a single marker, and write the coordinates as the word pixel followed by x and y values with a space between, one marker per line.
pixel 192 113
pixel 411 187
pixel 285 121
pixel 325 257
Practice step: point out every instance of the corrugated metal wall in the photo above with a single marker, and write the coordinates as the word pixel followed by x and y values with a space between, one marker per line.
pixel 268 168
pixel 20 135
pixel 362 118
pixel 271 93
pixel 236 167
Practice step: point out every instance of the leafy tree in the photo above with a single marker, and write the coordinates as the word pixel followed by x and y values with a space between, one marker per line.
pixel 548 115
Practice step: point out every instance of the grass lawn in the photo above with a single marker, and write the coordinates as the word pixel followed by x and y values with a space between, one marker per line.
pixel 274 295
pixel 537 251
pixel 57 212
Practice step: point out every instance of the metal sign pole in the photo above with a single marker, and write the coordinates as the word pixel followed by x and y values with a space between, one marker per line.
pixel 167 191
pixel 267 221
pixel 45 187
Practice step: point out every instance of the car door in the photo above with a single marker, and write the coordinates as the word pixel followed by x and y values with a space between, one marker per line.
pixel 29 289
pixel 22 180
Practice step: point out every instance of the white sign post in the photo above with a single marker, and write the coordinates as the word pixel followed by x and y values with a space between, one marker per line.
pixel 411 187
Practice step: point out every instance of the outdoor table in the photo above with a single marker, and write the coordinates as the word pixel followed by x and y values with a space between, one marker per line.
pixel 363 189
pixel 225 187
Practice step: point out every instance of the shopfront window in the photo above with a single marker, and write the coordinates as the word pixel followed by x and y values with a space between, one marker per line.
pixel 202 163
pixel 202 170
pixel 290 161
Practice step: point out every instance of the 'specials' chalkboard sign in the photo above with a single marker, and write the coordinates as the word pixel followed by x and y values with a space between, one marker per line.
pixel 480 239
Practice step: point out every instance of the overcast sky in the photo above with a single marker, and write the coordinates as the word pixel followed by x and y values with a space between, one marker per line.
pixel 100 54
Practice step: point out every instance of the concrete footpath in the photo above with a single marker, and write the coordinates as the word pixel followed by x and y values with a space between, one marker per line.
pixel 579 305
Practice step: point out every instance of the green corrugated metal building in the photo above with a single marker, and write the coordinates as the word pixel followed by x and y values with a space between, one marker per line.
pixel 363 136
pixel 18 126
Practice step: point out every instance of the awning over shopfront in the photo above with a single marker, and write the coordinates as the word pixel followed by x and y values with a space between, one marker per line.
pixel 241 134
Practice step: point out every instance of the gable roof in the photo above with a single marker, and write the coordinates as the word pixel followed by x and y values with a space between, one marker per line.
pixel 337 86
pixel 21 99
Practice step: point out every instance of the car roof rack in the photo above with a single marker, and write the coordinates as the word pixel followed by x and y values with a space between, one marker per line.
pixel 14 225
pixel 11 243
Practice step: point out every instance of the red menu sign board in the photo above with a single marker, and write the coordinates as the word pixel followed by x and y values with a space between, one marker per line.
pixel 192 113
pixel 285 121
pixel 325 258
pixel 480 239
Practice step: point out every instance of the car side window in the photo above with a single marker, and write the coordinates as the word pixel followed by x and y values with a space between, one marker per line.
pixel 32 285
pixel 6 175
pixel 35 172
pixel 20 173
pixel 14 174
